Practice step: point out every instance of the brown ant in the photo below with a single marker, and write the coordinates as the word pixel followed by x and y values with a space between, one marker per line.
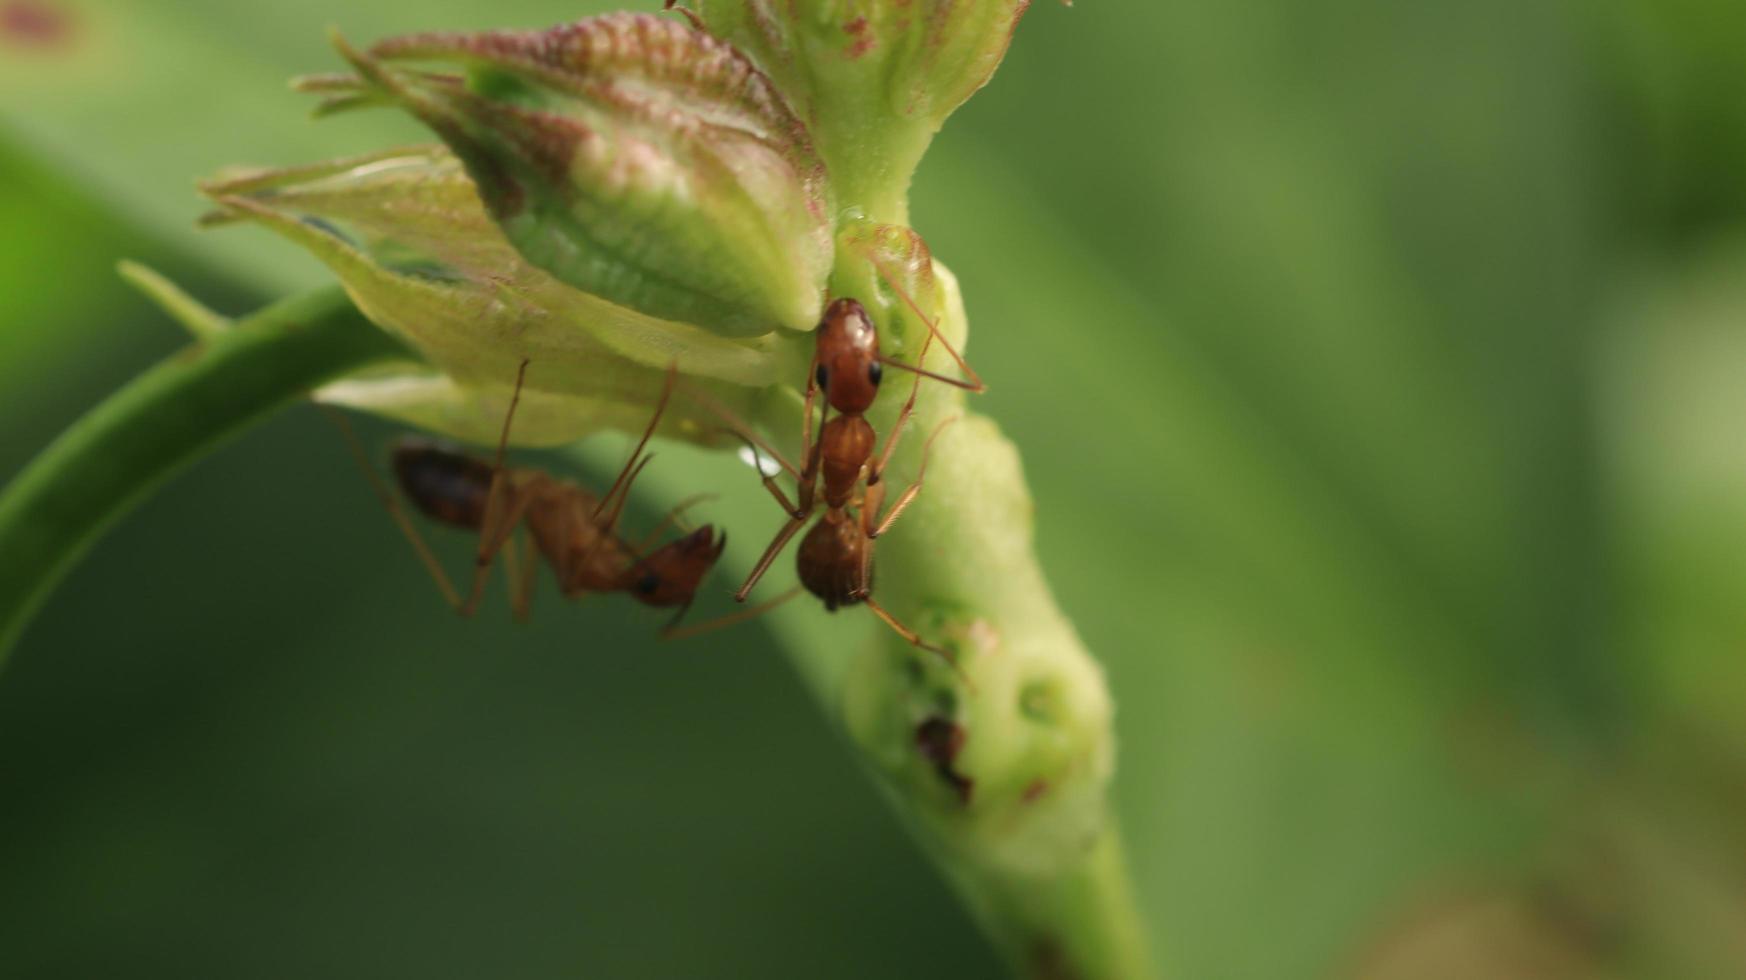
pixel 835 560
pixel 572 529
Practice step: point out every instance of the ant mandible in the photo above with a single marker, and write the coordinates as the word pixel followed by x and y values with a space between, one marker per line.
pixel 573 530
pixel 835 559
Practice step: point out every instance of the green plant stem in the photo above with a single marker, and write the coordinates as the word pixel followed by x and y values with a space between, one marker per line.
pixel 1001 762
pixel 1081 923
pixel 1030 842
pixel 177 411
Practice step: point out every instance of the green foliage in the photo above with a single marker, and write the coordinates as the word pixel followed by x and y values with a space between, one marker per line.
pixel 145 433
pixel 1296 311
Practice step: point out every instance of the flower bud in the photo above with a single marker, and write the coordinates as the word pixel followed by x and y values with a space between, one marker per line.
pixel 629 156
pixel 873 81
pixel 407 235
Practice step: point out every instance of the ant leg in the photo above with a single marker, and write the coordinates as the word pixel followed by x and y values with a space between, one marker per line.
pixel 808 482
pixel 493 529
pixel 769 481
pixel 672 519
pixel 878 469
pixel 915 639
pixel 501 520
pixel 739 427
pixel 627 475
pixel 874 499
pixel 395 511
pixel 975 383
pixel 914 488
pixel 520 566
pixel 530 568
pixel 673 632
pixel 781 540
pixel 611 523
pixel 806 446
pixel 806 479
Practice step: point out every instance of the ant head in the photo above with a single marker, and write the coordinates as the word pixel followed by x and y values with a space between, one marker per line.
pixel 670 574
pixel 848 368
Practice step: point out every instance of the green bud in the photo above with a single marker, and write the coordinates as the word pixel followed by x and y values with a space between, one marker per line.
pixel 890 267
pixel 629 156
pixel 872 80
pixel 407 235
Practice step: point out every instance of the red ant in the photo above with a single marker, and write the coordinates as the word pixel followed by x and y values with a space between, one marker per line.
pixel 574 531
pixel 835 560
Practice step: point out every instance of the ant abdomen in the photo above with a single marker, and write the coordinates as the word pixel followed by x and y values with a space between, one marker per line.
pixel 448 486
pixel 830 562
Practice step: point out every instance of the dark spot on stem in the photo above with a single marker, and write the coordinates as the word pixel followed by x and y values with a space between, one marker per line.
pixel 940 740
pixel 1049 961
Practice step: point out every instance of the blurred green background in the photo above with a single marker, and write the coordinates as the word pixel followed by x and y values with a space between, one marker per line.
pixel 1380 371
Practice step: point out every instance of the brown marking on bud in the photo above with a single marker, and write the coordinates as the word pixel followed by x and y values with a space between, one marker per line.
pixel 940 740
pixel 593 58
pixel 540 141
pixel 678 80
pixel 34 24
pixel 863 37
pixel 935 38
pixel 1034 790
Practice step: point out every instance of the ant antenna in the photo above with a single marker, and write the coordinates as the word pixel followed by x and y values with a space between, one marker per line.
pixel 675 632
pixel 738 426
pixel 632 467
pixel 674 518
pixel 362 457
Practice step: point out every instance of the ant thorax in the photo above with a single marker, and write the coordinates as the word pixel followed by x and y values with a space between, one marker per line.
pixel 844 447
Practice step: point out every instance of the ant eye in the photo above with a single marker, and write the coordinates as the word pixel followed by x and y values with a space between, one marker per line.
pixel 875 371
pixel 823 377
pixel 648 583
